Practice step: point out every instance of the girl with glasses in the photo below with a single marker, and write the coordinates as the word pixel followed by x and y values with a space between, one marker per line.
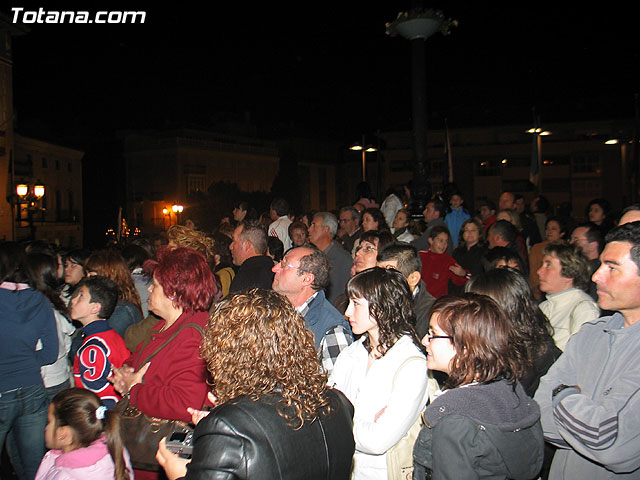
pixel 483 425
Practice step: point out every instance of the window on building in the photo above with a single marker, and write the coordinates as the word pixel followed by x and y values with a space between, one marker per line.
pixel 23 166
pixel 586 163
pixel 322 188
pixel 196 183
pixel 555 184
pixel 400 165
pixel 70 200
pixel 44 162
pixel 57 164
pixel 58 205
pixel 69 168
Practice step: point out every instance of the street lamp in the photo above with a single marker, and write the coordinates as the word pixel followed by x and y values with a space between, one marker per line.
pixel 177 210
pixel 30 198
pixel 364 148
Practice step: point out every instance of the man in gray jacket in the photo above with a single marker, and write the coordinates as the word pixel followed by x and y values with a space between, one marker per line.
pixel 590 398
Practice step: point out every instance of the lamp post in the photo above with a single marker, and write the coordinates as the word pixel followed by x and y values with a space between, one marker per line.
pixel 177 210
pixel 536 155
pixel 364 148
pixel 417 26
pixel 31 197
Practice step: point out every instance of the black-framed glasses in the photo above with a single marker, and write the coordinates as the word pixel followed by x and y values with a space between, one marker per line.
pixel 432 337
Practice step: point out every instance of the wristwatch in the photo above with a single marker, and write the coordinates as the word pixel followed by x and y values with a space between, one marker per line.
pixel 562 387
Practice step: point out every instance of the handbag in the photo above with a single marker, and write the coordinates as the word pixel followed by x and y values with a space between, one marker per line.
pixel 400 456
pixel 141 433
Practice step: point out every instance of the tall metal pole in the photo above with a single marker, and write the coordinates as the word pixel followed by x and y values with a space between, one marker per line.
pixel 364 161
pixel 422 187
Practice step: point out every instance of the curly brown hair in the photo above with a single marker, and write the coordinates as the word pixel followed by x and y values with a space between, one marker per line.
pixel 390 305
pixel 257 344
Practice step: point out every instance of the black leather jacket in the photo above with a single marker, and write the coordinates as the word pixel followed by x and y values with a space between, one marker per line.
pixel 243 439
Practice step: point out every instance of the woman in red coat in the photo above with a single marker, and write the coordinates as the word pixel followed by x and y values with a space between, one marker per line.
pixel 175 379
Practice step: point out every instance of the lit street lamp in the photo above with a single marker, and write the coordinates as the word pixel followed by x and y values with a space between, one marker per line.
pixel 31 197
pixel 364 148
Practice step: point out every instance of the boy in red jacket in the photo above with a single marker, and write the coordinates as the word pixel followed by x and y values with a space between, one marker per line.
pixel 438 267
pixel 102 348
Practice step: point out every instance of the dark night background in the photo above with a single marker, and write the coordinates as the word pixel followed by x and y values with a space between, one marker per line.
pixel 323 70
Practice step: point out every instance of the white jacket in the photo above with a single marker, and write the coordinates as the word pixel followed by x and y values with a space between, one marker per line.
pixel 280 230
pixel 402 393
pixel 568 311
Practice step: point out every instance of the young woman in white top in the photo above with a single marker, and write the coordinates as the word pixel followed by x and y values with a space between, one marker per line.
pixel 384 373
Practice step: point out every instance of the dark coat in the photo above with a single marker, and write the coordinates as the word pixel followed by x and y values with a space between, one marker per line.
pixel 243 439
pixel 254 272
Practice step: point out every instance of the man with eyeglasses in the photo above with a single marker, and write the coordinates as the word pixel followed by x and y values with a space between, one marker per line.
pixel 322 232
pixel 350 226
pixel 302 276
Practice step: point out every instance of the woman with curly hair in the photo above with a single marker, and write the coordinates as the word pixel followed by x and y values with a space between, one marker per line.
pixel 112 265
pixel 373 219
pixel 483 425
pixel 384 373
pixel 275 418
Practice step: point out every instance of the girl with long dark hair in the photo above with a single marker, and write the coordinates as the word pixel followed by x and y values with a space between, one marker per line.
pixel 384 373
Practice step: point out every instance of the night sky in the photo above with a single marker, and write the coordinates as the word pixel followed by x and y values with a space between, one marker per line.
pixel 331 71
pixel 324 70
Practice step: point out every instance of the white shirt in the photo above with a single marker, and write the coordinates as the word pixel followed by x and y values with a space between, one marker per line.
pixel 567 311
pixel 401 392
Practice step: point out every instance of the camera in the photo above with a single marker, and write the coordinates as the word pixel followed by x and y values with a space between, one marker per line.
pixel 180 443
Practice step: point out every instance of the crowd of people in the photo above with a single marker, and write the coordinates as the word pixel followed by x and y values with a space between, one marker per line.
pixel 490 343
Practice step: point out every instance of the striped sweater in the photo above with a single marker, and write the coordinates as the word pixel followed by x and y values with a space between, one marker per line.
pixel 597 426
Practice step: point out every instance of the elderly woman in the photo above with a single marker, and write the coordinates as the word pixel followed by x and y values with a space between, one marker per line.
pixel 181 294
pixel 275 417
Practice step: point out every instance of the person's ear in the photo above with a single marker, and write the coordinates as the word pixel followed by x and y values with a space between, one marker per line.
pixel 308 278
pixel 64 437
pixel 95 308
pixel 413 279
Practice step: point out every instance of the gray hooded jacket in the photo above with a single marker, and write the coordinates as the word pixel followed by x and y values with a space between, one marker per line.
pixel 486 431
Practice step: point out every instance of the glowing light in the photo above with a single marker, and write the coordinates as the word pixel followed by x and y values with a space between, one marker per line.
pixel 22 189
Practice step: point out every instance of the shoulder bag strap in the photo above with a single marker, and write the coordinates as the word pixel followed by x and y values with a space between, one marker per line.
pixel 174 335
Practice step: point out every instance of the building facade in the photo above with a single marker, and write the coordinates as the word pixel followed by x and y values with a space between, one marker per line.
pixel 578 162
pixel 57 216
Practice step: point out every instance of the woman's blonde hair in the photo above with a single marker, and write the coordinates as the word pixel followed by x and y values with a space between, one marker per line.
pixel 182 236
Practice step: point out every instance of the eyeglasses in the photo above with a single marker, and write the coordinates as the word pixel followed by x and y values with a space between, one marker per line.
pixel 284 264
pixel 432 337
